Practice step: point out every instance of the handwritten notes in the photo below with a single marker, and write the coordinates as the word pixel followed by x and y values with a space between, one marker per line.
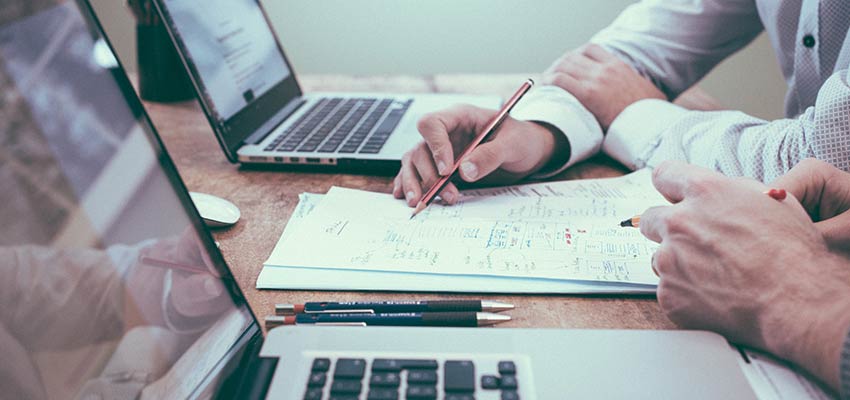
pixel 563 230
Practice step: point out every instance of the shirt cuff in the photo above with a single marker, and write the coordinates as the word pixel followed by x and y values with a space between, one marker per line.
pixel 636 132
pixel 558 108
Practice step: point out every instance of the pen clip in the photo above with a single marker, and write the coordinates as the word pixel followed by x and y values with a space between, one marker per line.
pixel 340 312
pixel 341 323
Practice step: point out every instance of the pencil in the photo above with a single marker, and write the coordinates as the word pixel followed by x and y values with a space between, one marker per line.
pixel 776 194
pixel 155 262
pixel 488 131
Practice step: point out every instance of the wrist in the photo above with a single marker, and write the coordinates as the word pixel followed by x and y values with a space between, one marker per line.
pixel 555 147
pixel 809 326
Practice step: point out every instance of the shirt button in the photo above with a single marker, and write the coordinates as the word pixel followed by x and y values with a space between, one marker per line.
pixel 809 41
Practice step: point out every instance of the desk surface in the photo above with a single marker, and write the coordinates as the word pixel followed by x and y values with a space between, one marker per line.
pixel 266 199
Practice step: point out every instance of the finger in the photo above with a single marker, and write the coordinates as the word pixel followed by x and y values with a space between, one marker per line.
pixel 598 54
pixel 836 231
pixel 197 295
pixel 566 82
pixel 822 189
pixel 436 129
pixel 410 183
pixel 397 189
pixel 676 180
pixel 450 194
pixel 485 159
pixel 663 261
pixel 653 223
pixel 425 167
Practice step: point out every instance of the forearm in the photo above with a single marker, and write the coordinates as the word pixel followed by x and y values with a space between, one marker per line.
pixel 650 132
pixel 675 44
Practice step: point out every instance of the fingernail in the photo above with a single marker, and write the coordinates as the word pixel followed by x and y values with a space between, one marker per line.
pixel 441 167
pixel 469 170
pixel 410 195
pixel 449 197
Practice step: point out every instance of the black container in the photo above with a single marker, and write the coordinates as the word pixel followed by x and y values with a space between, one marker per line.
pixel 162 77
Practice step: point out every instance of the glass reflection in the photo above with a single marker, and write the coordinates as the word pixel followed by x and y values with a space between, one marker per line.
pixel 106 290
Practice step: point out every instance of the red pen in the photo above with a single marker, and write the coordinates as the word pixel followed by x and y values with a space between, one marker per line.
pixel 488 131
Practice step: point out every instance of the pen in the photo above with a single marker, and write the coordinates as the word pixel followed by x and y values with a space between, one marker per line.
pixel 776 194
pixel 488 131
pixel 392 306
pixel 467 319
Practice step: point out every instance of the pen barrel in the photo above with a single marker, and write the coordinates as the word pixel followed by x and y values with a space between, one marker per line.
pixel 395 306
pixel 467 319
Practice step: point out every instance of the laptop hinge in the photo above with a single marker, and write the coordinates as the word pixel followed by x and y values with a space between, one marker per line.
pixel 264 130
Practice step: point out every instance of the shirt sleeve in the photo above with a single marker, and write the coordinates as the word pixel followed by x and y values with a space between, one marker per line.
pixel 736 144
pixel 559 109
pixel 675 43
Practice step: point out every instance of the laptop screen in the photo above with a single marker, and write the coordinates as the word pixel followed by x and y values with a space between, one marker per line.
pixel 110 287
pixel 232 48
pixel 236 64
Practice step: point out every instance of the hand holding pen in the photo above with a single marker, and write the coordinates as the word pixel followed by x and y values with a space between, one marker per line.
pixel 519 149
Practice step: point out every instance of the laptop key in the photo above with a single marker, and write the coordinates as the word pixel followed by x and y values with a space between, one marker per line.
pixel 508 382
pixel 346 386
pixel 510 395
pixel 321 365
pixel 421 392
pixel 391 365
pixel 385 379
pixel 313 394
pixel 422 377
pixel 489 382
pixel 507 368
pixel 350 368
pixel 459 376
pixel 382 394
pixel 317 379
pixel 460 396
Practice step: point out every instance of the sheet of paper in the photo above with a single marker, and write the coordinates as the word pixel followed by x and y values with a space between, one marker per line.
pixel 564 231
pixel 774 379
pixel 276 277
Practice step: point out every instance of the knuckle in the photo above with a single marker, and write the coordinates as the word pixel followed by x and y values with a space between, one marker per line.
pixel 678 221
pixel 700 186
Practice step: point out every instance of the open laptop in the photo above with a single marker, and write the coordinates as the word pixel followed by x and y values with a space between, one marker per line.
pixel 113 288
pixel 260 114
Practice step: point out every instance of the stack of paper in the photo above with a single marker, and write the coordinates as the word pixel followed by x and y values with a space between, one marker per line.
pixel 560 237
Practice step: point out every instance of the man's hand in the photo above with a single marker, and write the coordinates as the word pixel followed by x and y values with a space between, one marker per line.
pixel 517 150
pixel 825 193
pixel 603 83
pixel 757 270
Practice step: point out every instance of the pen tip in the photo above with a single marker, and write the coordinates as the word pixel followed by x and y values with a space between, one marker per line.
pixel 419 207
pixel 626 223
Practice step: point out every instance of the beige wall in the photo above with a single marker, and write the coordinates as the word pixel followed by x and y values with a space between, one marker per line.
pixel 445 36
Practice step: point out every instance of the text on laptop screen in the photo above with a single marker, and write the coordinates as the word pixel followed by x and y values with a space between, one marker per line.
pixel 232 48
pixel 109 288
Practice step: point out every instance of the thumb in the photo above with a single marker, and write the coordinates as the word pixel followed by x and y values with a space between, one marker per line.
pixel 485 159
pixel 836 231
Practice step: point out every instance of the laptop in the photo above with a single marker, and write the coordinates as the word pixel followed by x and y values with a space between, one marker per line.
pixel 113 287
pixel 259 113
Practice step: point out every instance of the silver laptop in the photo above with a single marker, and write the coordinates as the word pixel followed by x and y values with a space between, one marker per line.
pixel 114 289
pixel 260 114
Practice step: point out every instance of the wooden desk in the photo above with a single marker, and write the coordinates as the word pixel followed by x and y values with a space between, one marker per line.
pixel 267 198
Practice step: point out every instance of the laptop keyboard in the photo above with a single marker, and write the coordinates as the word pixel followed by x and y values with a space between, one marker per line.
pixel 392 379
pixel 344 125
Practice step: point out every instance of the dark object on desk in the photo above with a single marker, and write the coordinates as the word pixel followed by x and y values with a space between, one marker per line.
pixel 468 319
pixel 162 76
pixel 392 306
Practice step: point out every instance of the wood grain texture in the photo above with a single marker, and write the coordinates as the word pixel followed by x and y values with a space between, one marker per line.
pixel 267 199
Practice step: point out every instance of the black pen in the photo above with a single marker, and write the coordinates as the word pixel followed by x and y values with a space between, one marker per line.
pixel 468 319
pixel 392 306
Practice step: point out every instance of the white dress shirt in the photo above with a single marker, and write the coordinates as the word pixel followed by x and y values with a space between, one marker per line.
pixel 674 43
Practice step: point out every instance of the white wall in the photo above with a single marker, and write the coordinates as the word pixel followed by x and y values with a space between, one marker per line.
pixel 371 37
